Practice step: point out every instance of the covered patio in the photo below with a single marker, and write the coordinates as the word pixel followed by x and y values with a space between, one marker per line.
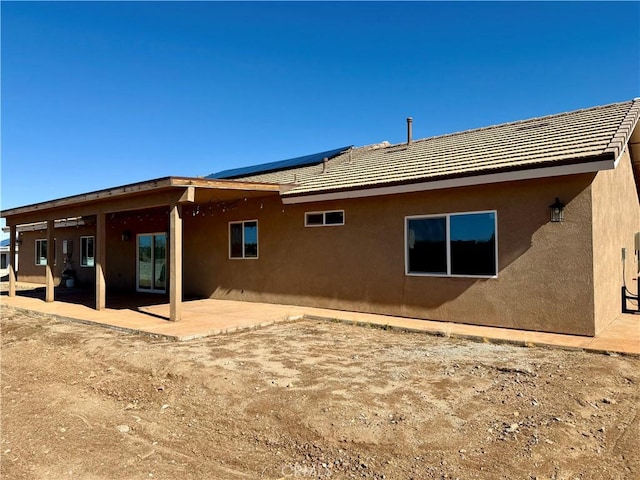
pixel 147 314
pixel 163 197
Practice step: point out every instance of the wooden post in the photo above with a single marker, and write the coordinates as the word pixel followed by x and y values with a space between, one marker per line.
pixel 175 262
pixel 51 254
pixel 101 261
pixel 12 261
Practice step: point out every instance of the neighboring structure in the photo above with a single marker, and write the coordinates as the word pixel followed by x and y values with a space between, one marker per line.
pixel 518 225
pixel 4 259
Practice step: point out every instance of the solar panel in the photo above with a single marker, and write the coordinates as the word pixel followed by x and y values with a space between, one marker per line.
pixel 312 159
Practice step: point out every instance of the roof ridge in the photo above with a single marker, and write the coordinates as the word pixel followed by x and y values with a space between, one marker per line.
pixel 517 122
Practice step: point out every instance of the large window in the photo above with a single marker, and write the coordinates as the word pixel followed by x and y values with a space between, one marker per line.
pixel 456 244
pixel 243 239
pixel 86 252
pixel 41 252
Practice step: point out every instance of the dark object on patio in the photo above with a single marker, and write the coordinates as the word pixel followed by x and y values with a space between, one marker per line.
pixel 68 278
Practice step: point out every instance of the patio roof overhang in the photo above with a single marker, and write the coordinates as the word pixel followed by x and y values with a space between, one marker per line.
pixel 136 196
pixel 171 192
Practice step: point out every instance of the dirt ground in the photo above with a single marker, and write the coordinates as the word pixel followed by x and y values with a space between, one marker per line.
pixel 308 400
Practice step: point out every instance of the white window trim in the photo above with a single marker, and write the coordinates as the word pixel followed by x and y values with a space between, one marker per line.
pixel 324 218
pixel 447 217
pixel 242 222
pixel 94 251
pixel 37 257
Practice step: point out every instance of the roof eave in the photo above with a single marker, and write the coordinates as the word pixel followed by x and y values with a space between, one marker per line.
pixel 604 161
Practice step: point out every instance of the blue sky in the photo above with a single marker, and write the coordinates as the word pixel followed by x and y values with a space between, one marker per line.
pixel 96 95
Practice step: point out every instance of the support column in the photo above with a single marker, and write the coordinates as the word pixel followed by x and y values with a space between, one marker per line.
pixel 175 262
pixel 101 261
pixel 51 254
pixel 12 261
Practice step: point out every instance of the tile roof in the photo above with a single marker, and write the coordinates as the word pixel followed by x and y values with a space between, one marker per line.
pixel 574 137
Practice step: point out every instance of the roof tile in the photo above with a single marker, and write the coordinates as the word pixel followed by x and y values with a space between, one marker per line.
pixel 571 137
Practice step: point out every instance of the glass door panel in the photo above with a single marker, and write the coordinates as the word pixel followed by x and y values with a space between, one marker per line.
pixel 159 262
pixel 145 264
pixel 152 263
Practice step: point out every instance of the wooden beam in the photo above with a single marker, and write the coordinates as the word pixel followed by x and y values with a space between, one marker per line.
pixel 128 193
pixel 101 261
pixel 12 261
pixel 153 199
pixel 188 195
pixel 225 184
pixel 51 253
pixel 107 194
pixel 175 262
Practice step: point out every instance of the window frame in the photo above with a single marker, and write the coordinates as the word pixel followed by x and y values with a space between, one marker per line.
pixel 447 217
pixel 38 250
pixel 244 257
pixel 324 218
pixel 82 239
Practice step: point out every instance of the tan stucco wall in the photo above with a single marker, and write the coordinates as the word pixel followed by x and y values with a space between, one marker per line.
pixel 545 280
pixel 616 217
pixel 121 254
pixel 545 270
pixel 28 271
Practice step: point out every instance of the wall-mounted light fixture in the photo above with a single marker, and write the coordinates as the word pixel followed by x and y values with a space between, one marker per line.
pixel 557 211
pixel 126 235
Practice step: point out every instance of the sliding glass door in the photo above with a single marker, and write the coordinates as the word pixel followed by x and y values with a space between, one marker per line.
pixel 152 263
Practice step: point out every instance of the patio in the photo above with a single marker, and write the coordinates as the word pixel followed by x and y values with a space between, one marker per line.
pixel 149 314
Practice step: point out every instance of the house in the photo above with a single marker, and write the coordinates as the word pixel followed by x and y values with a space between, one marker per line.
pixel 519 225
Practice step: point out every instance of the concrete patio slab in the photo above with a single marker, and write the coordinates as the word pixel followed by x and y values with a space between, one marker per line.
pixel 202 318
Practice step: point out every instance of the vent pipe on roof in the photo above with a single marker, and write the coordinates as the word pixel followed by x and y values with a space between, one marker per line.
pixel 409 123
pixel 324 164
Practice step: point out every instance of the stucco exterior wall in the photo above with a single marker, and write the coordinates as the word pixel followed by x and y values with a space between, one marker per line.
pixel 545 273
pixel 545 278
pixel 121 254
pixel 616 217
pixel 28 271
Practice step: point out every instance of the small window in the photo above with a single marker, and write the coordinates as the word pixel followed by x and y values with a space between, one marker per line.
pixel 319 219
pixel 461 244
pixel 4 261
pixel 86 251
pixel 41 252
pixel 243 239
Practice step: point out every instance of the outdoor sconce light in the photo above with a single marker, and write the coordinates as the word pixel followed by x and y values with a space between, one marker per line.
pixel 557 211
pixel 126 235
